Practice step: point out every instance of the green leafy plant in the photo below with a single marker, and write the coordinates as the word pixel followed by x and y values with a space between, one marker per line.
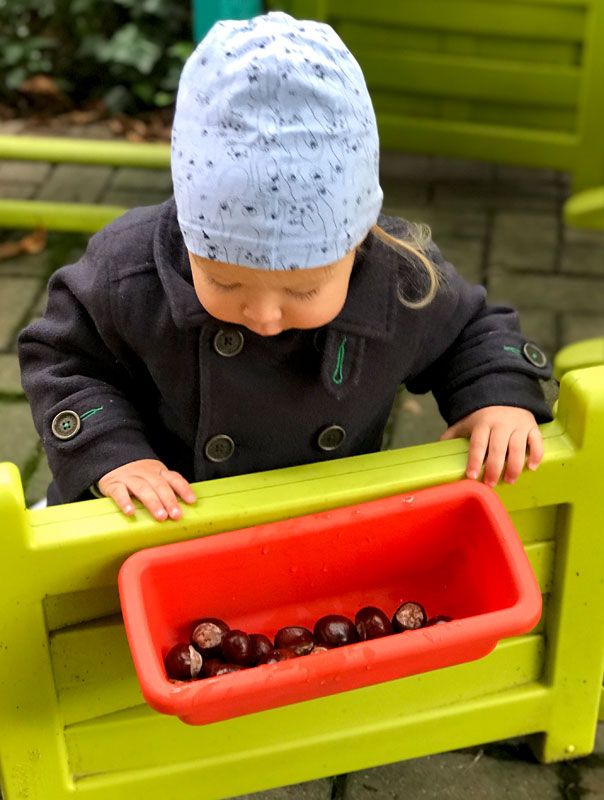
pixel 129 53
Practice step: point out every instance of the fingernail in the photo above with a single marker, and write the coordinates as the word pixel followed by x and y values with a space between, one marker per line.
pixel 533 467
pixel 160 514
pixel 129 509
pixel 472 474
pixel 175 512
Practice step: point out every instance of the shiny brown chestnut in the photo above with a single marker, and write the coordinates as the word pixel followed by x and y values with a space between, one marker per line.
pixel 237 648
pixel 372 623
pixel 409 617
pixel 335 630
pixel 261 645
pixel 209 667
pixel 207 636
pixel 224 669
pixel 279 654
pixel 296 638
pixel 183 662
pixel 439 619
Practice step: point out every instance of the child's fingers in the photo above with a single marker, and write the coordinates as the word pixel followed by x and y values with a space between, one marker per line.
pixel 166 497
pixel 479 441
pixel 148 496
pixel 535 448
pixel 516 455
pixel 180 485
pixel 498 445
pixel 120 495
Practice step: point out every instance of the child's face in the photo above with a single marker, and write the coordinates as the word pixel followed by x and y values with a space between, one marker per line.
pixel 271 302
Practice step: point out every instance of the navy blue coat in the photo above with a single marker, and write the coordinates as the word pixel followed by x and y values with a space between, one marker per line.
pixel 127 346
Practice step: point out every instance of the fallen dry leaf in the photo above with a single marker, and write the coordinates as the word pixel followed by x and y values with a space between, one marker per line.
pixel 32 243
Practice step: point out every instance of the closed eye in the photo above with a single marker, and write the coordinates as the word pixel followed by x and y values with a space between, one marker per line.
pixel 302 295
pixel 225 287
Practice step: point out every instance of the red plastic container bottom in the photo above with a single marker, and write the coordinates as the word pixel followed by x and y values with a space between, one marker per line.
pixel 452 548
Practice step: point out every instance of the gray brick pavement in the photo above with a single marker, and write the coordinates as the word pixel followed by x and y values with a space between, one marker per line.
pixel 501 225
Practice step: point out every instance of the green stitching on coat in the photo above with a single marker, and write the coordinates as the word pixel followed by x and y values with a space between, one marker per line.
pixel 512 350
pixel 92 411
pixel 337 376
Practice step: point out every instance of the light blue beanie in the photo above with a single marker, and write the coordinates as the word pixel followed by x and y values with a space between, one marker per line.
pixel 275 146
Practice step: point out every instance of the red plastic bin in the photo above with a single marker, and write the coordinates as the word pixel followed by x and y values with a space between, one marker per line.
pixel 452 548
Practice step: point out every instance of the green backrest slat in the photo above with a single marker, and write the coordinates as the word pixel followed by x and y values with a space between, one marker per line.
pixel 543 21
pixel 470 78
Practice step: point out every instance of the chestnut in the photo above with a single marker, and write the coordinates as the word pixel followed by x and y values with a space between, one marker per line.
pixel 295 638
pixel 183 662
pixel 334 630
pixel 261 645
pixel 279 654
pixel 408 617
pixel 209 667
pixel 207 636
pixel 439 619
pixel 224 669
pixel 237 648
pixel 372 623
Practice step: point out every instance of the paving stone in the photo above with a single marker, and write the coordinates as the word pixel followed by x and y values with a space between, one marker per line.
pixel 402 191
pixel 311 790
pixel 37 485
pixel 24 171
pixel 415 419
pixel 405 165
pixel 19 437
pixel 157 180
pixel 11 127
pixel 455 776
pixel 522 241
pixel 10 377
pixel 465 255
pixel 26 265
pixel 576 327
pixel 529 175
pixel 16 296
pixel 540 326
pixel 583 258
pixel 592 784
pixel 554 292
pixel 76 183
pixel 495 196
pixel 465 223
pixel 599 745
pixel 18 191
pixel 131 198
pixel 461 169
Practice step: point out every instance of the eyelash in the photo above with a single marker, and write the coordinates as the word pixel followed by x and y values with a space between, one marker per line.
pixel 297 295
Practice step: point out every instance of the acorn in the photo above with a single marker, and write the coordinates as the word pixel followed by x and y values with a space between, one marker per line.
pixel 296 638
pixel 183 662
pixel 372 623
pixel 408 617
pixel 334 630
pixel 207 636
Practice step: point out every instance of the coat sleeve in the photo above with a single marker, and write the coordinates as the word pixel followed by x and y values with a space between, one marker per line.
pixel 70 362
pixel 471 354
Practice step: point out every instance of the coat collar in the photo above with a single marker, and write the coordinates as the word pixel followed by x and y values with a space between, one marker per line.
pixel 369 310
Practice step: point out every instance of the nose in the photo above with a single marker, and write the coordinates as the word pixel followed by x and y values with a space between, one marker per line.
pixel 262 311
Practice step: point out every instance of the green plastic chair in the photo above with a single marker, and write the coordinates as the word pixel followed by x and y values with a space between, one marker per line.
pixel 71 709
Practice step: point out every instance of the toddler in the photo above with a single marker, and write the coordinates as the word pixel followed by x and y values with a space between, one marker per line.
pixel 266 314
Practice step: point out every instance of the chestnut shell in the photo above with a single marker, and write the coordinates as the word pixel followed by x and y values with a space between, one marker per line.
pixel 183 662
pixel 261 645
pixel 276 655
pixel 237 648
pixel 409 616
pixel 207 636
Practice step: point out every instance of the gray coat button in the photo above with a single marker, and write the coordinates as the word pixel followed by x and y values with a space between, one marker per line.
pixel 228 342
pixel 534 355
pixel 331 437
pixel 66 424
pixel 219 448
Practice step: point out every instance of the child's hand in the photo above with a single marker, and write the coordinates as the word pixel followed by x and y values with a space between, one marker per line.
pixel 499 432
pixel 152 483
